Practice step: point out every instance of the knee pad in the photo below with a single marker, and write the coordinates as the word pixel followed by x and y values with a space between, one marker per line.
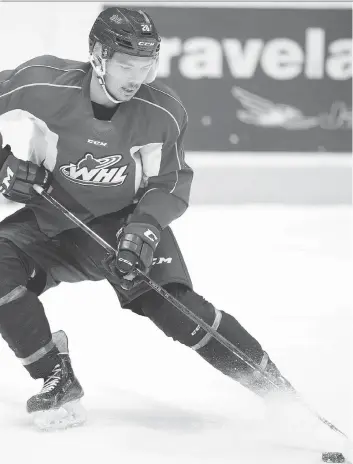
pixel 174 323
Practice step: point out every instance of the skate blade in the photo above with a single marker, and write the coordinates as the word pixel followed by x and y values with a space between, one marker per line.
pixel 71 414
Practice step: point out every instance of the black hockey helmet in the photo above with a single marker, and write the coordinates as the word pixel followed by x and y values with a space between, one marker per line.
pixel 126 31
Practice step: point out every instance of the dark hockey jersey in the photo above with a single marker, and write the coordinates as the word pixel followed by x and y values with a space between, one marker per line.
pixel 98 167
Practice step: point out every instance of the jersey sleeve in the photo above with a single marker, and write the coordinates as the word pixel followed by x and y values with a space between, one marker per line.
pixel 14 82
pixel 167 194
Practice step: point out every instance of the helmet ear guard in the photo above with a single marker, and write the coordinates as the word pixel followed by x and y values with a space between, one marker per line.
pixel 98 63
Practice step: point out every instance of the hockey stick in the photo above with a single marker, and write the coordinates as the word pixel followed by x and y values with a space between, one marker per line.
pixel 182 308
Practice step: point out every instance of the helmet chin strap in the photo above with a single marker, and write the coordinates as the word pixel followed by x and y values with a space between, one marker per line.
pixel 100 71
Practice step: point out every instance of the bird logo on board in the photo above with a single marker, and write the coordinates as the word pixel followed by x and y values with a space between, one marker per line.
pixel 101 172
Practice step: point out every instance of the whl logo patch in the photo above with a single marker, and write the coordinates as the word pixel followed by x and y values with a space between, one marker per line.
pixel 91 171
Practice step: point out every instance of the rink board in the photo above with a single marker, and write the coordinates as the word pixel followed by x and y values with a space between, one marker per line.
pixel 292 179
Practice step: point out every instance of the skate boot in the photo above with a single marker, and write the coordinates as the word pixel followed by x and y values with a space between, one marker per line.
pixel 57 405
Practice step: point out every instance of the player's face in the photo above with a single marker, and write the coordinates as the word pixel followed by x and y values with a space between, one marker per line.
pixel 125 74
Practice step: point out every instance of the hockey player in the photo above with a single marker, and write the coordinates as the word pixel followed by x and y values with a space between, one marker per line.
pixel 107 142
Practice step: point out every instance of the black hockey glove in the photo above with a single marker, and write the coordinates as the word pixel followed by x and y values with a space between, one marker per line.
pixel 17 176
pixel 136 244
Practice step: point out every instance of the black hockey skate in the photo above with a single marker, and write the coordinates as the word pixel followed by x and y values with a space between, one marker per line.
pixel 57 405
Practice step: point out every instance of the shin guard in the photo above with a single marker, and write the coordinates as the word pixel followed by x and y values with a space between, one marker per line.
pixel 25 328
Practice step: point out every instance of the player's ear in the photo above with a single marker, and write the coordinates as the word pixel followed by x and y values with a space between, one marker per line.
pixel 152 73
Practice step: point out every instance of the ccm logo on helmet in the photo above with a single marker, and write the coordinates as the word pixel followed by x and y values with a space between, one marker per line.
pixel 146 44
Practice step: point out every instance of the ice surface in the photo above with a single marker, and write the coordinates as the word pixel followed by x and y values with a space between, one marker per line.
pixel 286 276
